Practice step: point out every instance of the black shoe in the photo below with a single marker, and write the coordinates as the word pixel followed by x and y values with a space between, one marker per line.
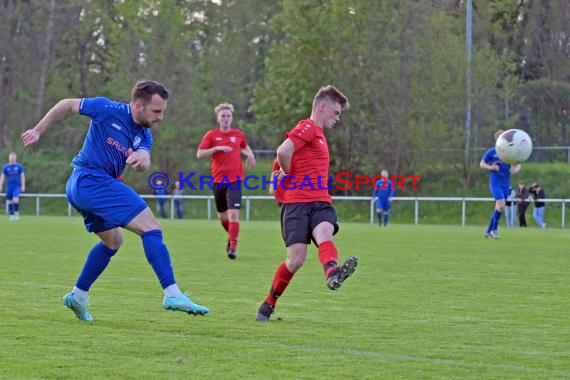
pixel 341 273
pixel 232 254
pixel 264 312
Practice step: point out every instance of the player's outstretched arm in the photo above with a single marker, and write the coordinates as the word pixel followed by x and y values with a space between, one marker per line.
pixel 62 108
pixel 1 182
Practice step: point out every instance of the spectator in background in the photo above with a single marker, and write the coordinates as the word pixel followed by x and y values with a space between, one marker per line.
pixel 178 200
pixel 384 194
pixel 537 193
pixel 511 209
pixel 161 200
pixel 522 203
pixel 13 173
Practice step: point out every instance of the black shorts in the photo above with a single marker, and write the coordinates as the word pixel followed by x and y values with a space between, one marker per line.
pixel 298 220
pixel 227 196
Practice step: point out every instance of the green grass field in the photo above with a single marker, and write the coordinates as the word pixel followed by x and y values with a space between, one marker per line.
pixel 425 302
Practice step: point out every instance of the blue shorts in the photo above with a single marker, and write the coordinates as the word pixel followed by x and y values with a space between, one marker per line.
pixel 499 192
pixel 104 202
pixel 383 204
pixel 12 192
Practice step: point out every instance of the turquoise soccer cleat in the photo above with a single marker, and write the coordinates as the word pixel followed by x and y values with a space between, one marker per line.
pixel 183 303
pixel 79 308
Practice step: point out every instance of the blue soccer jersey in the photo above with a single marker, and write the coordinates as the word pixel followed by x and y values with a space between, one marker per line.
pixel 383 192
pixel 112 137
pixel 13 173
pixel 501 178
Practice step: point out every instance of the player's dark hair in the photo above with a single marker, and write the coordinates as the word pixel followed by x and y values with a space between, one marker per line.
pixel 333 94
pixel 145 89
pixel 498 133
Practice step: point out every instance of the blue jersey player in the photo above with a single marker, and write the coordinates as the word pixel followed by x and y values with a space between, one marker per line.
pixel 383 193
pixel 13 173
pixel 499 184
pixel 119 135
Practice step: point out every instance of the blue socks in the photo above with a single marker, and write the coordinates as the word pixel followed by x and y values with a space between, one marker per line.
pixel 386 219
pixel 97 261
pixel 16 207
pixel 10 209
pixel 494 223
pixel 155 252
pixel 158 257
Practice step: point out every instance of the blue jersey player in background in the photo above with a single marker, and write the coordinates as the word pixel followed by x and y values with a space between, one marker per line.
pixel 119 135
pixel 13 173
pixel 383 193
pixel 499 184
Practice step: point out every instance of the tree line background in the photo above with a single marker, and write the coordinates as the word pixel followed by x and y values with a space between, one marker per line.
pixel 401 62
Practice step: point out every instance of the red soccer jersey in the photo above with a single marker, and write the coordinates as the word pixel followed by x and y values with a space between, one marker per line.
pixel 226 166
pixel 309 165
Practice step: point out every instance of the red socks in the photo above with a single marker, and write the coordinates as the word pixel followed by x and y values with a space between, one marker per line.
pixel 225 224
pixel 234 233
pixel 328 256
pixel 280 282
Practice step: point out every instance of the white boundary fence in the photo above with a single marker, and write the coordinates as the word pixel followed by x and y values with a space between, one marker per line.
pixel 248 198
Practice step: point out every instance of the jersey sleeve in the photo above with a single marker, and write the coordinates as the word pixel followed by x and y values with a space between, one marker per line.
pixel 487 158
pixel 5 170
pixel 146 142
pixel 302 134
pixel 95 108
pixel 22 170
pixel 206 142
pixel 243 143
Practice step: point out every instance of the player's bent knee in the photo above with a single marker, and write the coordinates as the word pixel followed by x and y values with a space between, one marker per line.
pixel 234 216
pixel 143 222
pixel 294 263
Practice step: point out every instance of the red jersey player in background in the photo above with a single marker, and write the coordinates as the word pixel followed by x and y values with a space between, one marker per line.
pixel 306 212
pixel 224 145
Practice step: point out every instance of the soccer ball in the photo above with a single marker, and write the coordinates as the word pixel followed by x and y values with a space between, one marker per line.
pixel 514 146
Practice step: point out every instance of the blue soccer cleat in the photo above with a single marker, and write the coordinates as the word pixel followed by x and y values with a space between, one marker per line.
pixel 183 303
pixel 79 308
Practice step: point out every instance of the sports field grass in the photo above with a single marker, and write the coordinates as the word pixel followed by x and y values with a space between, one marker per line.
pixel 425 302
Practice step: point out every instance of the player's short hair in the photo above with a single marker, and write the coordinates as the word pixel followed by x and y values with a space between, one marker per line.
pixel 331 93
pixel 498 133
pixel 224 106
pixel 145 89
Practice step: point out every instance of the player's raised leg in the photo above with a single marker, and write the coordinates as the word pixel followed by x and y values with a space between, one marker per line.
pixel 225 223
pixel 147 227
pixel 328 255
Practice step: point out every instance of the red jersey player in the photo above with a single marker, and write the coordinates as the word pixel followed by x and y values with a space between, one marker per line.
pixel 306 212
pixel 224 145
